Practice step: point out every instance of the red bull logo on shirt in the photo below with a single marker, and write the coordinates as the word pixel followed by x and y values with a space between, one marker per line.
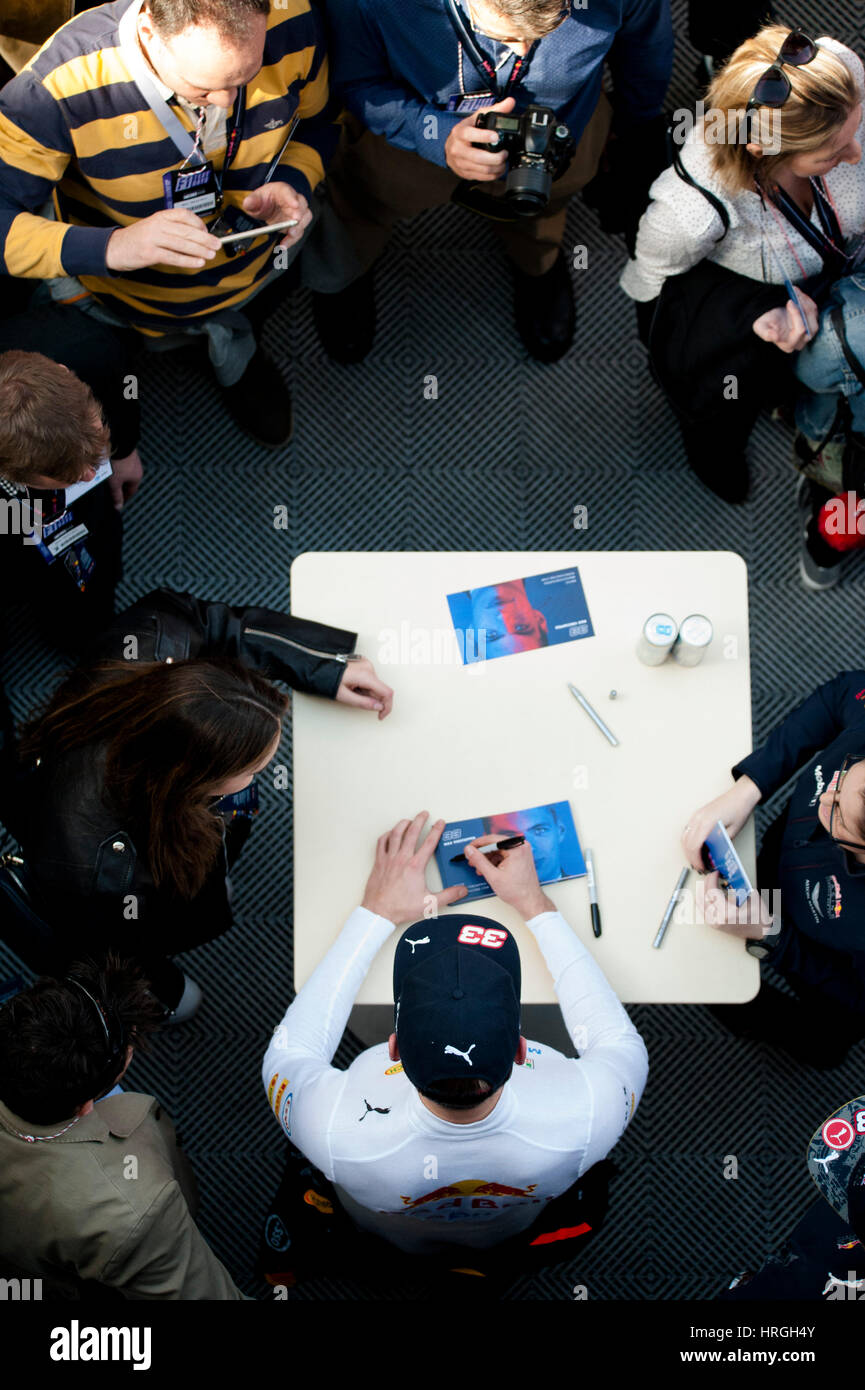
pixel 835 896
pixel 472 1197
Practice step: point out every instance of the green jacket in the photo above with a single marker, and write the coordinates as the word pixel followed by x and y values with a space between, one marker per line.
pixel 110 1200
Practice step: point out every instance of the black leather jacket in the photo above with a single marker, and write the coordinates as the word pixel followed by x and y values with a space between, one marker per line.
pixel 91 880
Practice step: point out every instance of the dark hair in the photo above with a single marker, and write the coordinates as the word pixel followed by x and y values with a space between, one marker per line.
pixel 53 1052
pixel 458 1092
pixel 231 17
pixel 173 731
pixel 50 422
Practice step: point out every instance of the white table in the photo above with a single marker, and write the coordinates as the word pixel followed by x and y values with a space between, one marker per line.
pixel 506 734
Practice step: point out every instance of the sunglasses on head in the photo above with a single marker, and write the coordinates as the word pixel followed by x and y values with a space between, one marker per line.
pixel 774 86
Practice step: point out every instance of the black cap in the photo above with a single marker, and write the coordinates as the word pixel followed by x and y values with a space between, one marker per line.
pixel 456 989
pixel 836 1162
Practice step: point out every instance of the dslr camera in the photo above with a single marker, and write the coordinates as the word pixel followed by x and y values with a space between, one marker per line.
pixel 539 149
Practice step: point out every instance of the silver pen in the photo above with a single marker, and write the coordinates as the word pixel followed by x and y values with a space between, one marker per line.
pixel 671 907
pixel 593 715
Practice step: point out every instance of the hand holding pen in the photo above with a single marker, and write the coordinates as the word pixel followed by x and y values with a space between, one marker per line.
pixel 514 879
pixel 793 326
pixel 493 849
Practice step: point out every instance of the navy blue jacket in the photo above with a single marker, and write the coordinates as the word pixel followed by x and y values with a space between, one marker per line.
pixel 395 63
pixel 822 885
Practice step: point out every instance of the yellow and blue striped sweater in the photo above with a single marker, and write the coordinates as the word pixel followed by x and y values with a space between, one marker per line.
pixel 75 129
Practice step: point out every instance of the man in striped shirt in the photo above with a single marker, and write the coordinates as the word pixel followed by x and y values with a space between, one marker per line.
pixel 89 136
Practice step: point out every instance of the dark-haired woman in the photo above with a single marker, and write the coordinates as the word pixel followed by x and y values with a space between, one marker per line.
pixel 136 783
pixel 814 854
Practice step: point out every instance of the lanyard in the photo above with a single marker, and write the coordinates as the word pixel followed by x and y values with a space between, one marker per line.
pixel 196 153
pixel 828 241
pixel 183 140
pixel 480 60
pixel 233 138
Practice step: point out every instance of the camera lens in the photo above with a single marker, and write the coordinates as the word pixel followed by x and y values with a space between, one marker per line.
pixel 528 189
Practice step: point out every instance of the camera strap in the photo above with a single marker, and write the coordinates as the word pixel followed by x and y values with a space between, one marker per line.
pixel 479 59
pixel 472 197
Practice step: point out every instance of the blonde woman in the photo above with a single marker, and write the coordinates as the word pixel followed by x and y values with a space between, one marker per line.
pixel 764 194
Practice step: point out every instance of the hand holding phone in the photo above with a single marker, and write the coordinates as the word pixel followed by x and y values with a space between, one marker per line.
pixel 720 853
pixel 264 230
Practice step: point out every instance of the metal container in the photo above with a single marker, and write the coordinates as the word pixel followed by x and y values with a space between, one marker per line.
pixel 694 637
pixel 656 639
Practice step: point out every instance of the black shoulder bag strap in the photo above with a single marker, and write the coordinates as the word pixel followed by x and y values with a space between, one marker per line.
pixel 678 164
pixel 840 327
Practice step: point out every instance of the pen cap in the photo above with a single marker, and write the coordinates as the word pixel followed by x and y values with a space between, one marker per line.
pixel 657 637
pixel 456 987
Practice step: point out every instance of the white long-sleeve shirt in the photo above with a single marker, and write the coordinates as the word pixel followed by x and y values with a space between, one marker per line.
pixel 425 1183
pixel 680 227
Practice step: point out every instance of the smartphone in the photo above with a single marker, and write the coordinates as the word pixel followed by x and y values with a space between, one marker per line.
pixel 719 853
pixel 795 298
pixel 262 229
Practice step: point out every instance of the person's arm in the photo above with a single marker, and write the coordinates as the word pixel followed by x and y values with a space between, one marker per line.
pixel 302 1087
pixel 678 230
pixel 166 1257
pixel 307 656
pixel 809 727
pixel 613 1063
pixel 287 195
pixel 35 149
pixel 813 724
pixel 316 135
pixel 641 61
pixel 365 80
